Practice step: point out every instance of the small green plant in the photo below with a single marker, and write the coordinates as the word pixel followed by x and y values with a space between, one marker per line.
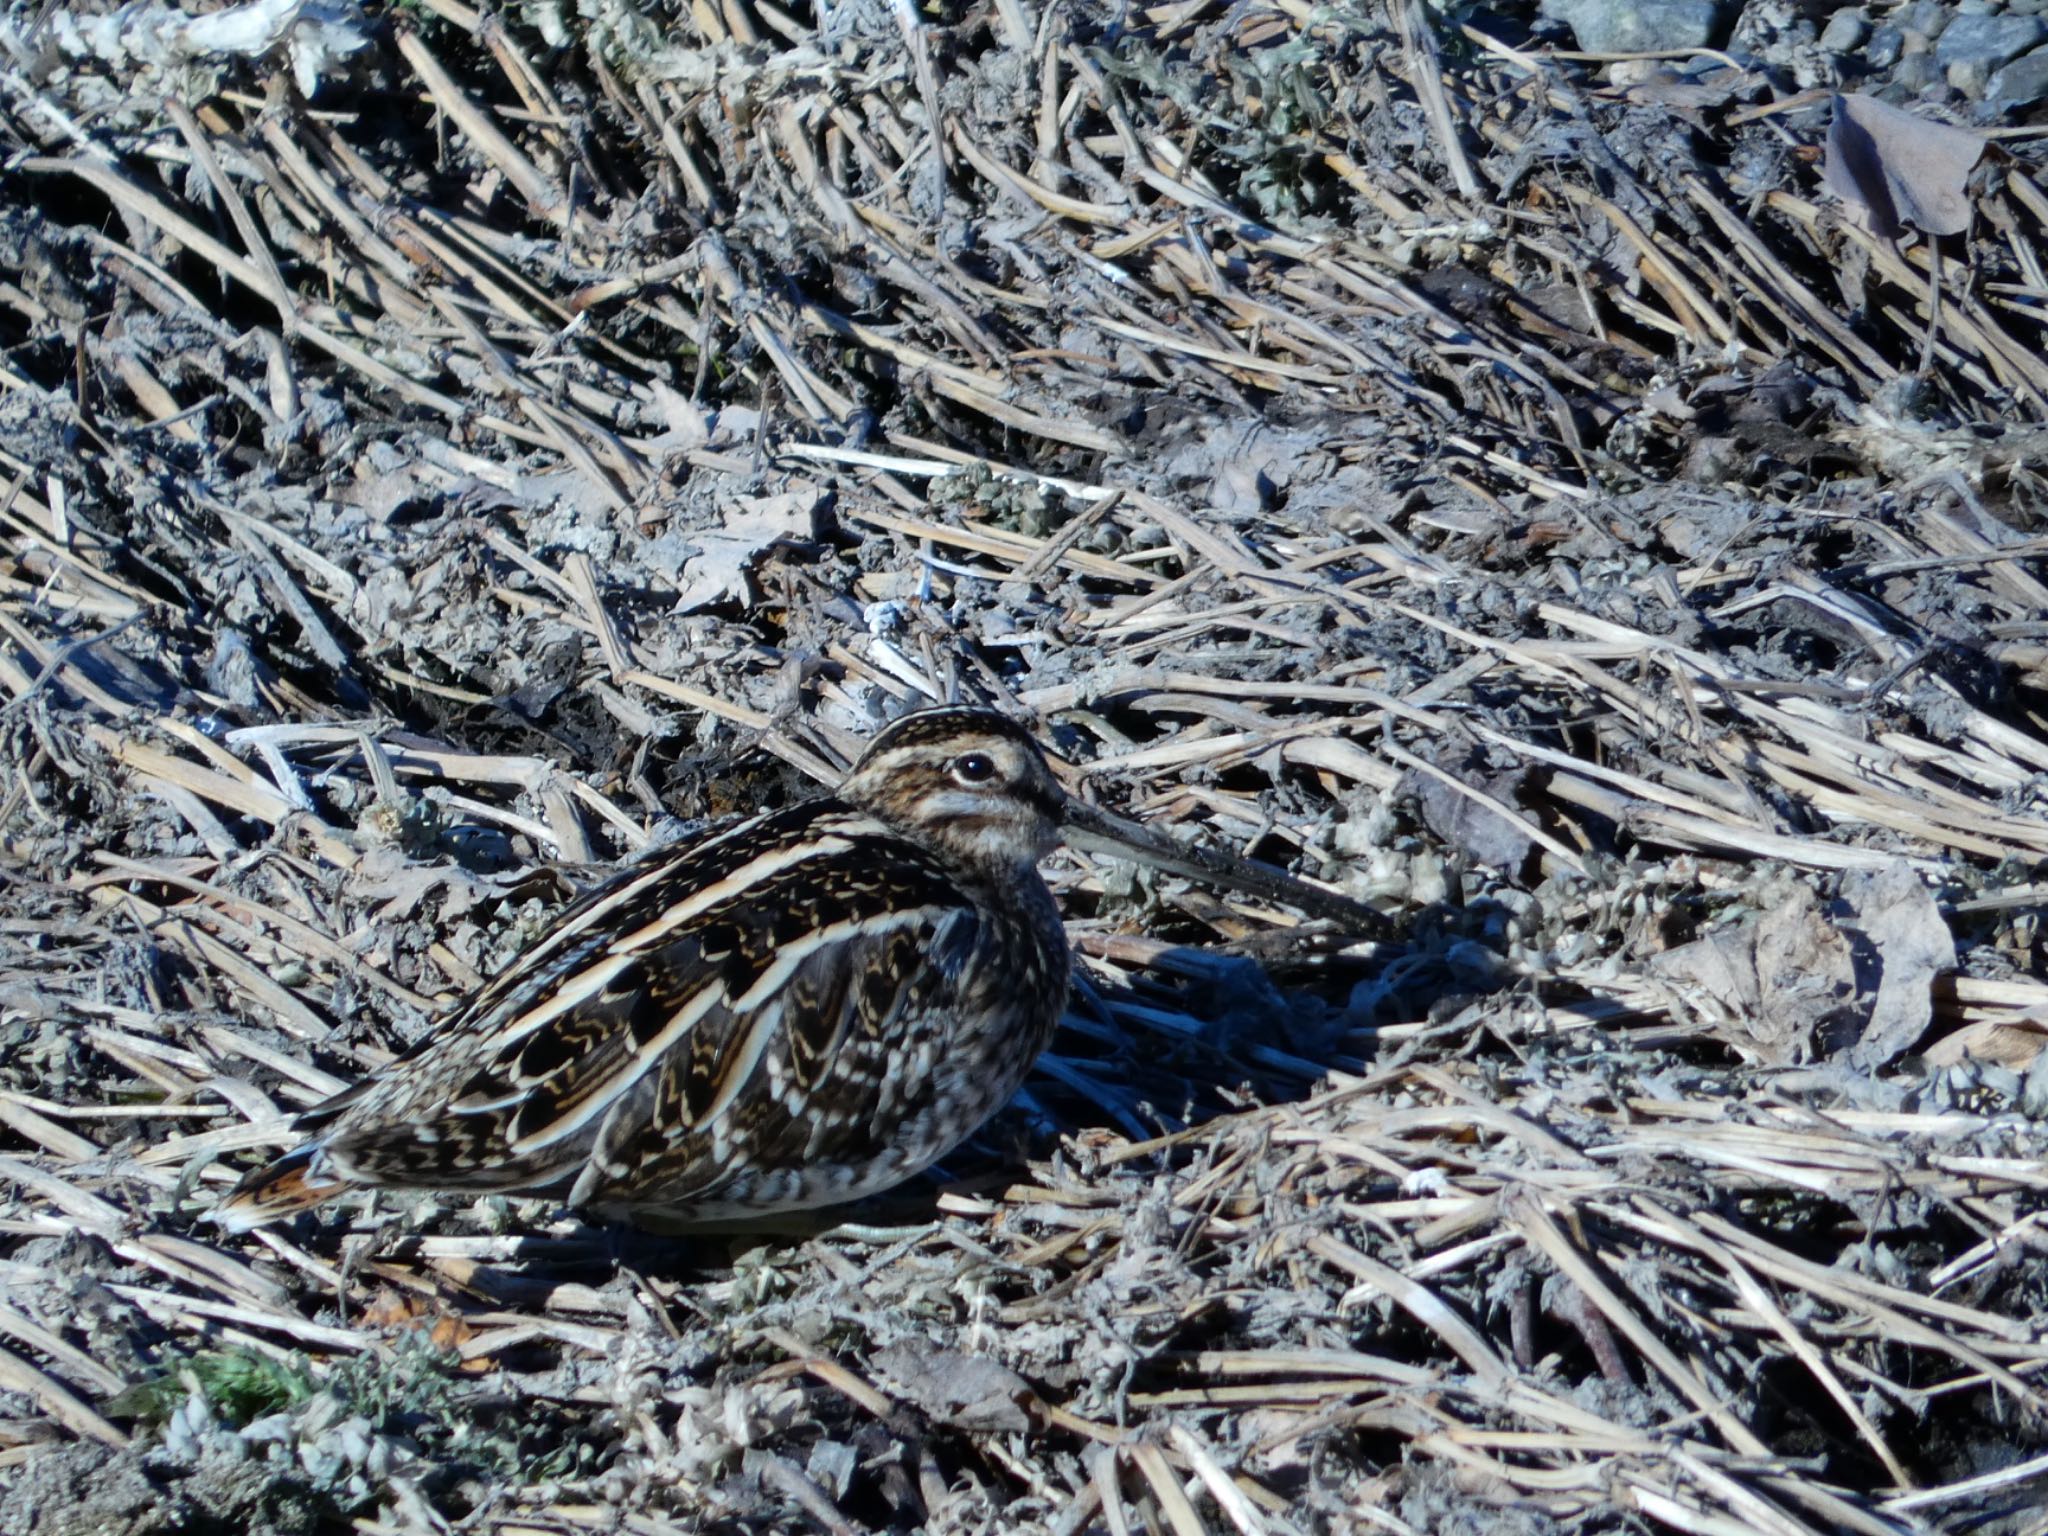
pixel 1005 501
pixel 241 1385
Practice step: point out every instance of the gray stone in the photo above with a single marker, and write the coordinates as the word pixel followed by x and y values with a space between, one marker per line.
pixel 1987 40
pixel 1638 26
pixel 1886 44
pixel 1968 77
pixel 2021 83
pixel 1974 46
pixel 1845 31
pixel 1916 72
pixel 1926 17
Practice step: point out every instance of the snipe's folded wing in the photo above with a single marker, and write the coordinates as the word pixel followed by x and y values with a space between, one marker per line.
pixel 686 967
pixel 811 1070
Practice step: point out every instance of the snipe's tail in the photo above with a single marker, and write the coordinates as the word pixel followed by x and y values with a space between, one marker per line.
pixel 284 1187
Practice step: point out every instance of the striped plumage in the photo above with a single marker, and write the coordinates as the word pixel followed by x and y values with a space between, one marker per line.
pixel 803 1008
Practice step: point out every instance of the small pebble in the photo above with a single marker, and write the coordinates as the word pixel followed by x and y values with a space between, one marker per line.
pixel 354 1441
pixel 323 1462
pixel 2034 1094
pixel 1968 78
pixel 1638 26
pixel 178 1442
pixel 1916 72
pixel 273 1427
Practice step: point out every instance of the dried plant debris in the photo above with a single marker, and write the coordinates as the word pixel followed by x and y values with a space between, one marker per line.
pixel 1776 983
pixel 1899 168
pixel 1511 484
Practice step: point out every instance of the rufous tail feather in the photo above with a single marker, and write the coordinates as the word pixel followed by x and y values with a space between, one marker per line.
pixel 278 1189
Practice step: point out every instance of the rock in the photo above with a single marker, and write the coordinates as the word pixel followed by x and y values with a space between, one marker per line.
pixel 1925 18
pixel 1916 72
pixel 1987 40
pixel 2020 84
pixel 1845 31
pixel 1638 26
pixel 1886 44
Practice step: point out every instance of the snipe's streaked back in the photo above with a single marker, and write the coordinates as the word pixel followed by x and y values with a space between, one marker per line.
pixel 803 1008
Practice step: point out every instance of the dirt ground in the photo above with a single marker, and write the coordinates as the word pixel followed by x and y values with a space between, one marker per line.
pixel 1587 507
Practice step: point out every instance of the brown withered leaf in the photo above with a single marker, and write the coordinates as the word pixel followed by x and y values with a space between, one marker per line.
pixel 1897 914
pixel 1770 983
pixel 1900 168
pixel 1469 825
pixel 396 1311
pixel 722 569
pixel 966 1391
pixel 2010 1043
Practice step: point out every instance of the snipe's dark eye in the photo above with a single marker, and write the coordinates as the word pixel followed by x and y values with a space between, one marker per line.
pixel 974 768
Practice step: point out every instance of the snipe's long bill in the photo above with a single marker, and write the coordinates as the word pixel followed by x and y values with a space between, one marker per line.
pixel 803 1008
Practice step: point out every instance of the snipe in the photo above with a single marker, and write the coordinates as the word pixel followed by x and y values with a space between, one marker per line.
pixel 803 1008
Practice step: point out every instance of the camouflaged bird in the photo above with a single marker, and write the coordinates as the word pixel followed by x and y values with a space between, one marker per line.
pixel 803 1008
pixel 800 1009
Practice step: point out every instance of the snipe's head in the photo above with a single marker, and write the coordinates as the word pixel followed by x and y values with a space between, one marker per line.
pixel 969 782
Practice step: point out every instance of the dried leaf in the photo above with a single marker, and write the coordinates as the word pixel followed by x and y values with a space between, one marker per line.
pixel 965 1391
pixel 317 34
pixel 1472 826
pixel 1778 977
pixel 1899 168
pixel 2013 1043
pixel 722 568
pixel 1897 914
